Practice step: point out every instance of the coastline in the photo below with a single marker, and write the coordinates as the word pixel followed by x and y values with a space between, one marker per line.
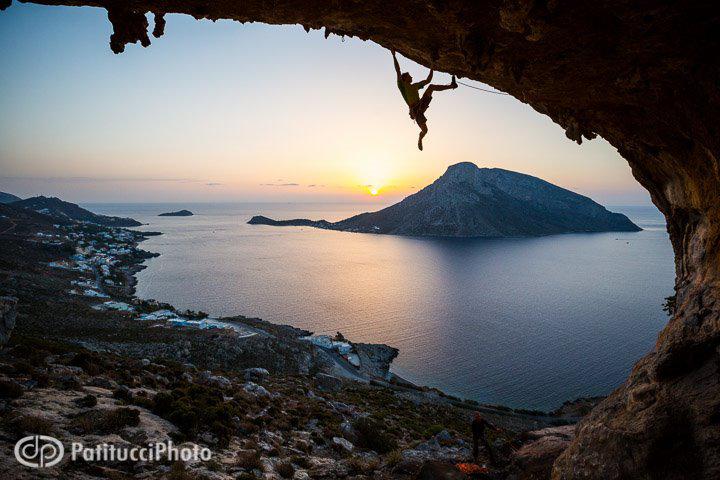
pixel 85 347
pixel 392 380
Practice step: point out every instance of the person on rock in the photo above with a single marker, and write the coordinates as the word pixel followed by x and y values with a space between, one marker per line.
pixel 411 93
pixel 479 428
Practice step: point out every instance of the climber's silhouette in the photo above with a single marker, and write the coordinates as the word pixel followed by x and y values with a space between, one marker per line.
pixel 411 93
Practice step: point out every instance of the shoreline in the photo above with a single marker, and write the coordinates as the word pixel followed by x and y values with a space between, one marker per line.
pixel 394 381
pixel 89 361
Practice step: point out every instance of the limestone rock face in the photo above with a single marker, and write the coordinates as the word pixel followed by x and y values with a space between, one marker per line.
pixel 534 460
pixel 375 359
pixel 8 314
pixel 642 75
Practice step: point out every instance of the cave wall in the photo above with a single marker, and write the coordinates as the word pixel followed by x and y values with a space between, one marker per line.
pixel 642 74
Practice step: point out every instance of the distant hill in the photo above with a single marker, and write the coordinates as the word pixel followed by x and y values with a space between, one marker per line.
pixel 65 210
pixel 8 198
pixel 17 220
pixel 179 213
pixel 467 201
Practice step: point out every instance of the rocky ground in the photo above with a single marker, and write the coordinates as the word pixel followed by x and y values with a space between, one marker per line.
pixel 265 402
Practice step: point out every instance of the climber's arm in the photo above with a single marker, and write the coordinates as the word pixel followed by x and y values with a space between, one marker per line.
pixel 426 81
pixel 397 65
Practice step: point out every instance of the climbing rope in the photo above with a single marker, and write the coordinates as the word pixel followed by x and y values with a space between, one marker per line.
pixel 483 89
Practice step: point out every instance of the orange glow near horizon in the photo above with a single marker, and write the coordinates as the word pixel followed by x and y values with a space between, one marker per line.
pixel 301 119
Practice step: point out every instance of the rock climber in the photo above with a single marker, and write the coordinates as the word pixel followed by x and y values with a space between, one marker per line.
pixel 411 93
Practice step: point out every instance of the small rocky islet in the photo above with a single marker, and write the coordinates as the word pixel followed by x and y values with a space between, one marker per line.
pixel 83 359
pixel 179 213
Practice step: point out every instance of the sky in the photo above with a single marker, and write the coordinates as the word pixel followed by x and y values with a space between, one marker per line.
pixel 219 112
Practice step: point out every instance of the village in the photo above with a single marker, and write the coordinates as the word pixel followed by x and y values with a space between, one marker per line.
pixel 107 258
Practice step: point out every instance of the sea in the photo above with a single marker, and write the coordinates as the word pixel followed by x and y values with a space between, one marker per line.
pixel 522 322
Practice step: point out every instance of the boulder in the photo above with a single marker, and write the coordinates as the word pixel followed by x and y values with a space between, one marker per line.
pixel 102 382
pixel 256 374
pixel 342 444
pixel 256 390
pixel 340 407
pixel 534 460
pixel 375 359
pixel 215 380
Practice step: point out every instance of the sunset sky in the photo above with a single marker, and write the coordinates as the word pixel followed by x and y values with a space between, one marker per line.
pixel 231 112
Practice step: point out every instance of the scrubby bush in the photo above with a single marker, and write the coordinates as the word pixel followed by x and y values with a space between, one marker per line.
pixel 24 367
pixel 393 458
pixel 285 469
pixel 360 466
pixel 91 364
pixel 42 378
pixel 249 460
pixel 119 418
pixel 301 461
pixel 30 424
pixel 373 436
pixel 178 471
pixel 197 408
pixel 433 430
pixel 123 393
pixel 88 401
pixel 10 389
pixel 106 421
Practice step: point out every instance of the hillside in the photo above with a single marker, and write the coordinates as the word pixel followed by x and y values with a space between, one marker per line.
pixel 467 201
pixel 62 210
pixel 8 197
pixel 266 402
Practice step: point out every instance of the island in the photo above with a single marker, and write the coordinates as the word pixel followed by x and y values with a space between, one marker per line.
pixel 65 212
pixel 467 201
pixel 179 213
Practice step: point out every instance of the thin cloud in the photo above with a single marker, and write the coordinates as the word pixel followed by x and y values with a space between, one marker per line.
pixel 384 187
pixel 213 184
pixel 98 179
pixel 279 184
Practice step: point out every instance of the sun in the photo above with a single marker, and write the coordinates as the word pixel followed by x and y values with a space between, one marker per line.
pixel 374 191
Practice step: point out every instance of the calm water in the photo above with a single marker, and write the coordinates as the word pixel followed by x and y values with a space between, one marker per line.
pixel 521 322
